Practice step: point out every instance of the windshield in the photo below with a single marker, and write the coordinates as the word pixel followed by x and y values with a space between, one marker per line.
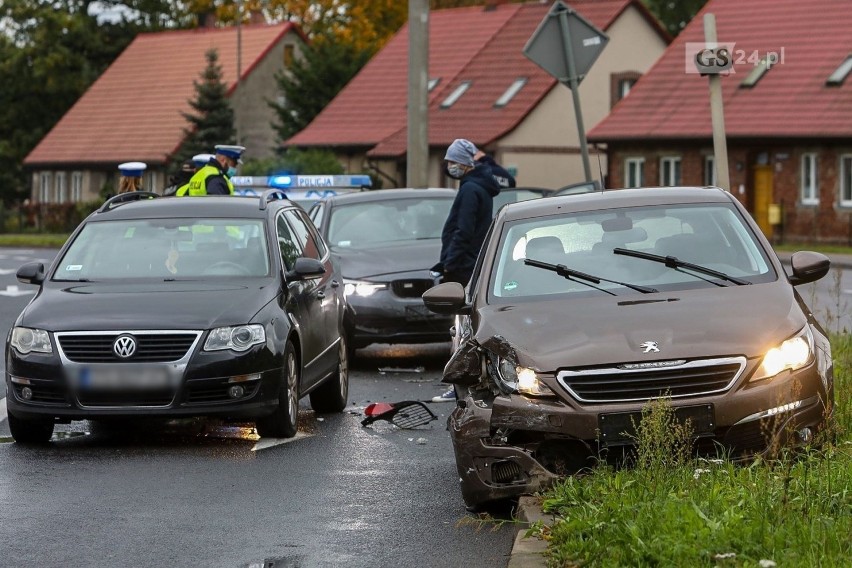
pixel 166 249
pixel 514 195
pixel 379 223
pixel 711 235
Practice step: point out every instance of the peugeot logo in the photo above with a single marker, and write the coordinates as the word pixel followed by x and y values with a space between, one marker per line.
pixel 124 346
pixel 650 347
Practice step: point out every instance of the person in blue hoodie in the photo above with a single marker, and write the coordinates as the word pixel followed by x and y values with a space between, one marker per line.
pixel 470 215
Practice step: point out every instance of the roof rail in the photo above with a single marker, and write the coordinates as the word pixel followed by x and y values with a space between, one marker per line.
pixel 117 200
pixel 271 195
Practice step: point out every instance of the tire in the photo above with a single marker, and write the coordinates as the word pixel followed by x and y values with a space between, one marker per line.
pixel 333 394
pixel 284 422
pixel 30 431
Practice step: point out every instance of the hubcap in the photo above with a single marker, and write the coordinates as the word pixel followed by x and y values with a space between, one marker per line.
pixel 343 371
pixel 292 394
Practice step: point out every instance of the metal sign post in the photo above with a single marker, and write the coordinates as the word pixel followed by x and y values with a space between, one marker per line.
pixel 566 45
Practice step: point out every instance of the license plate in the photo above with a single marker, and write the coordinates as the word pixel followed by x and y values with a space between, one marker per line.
pixel 123 378
pixel 620 427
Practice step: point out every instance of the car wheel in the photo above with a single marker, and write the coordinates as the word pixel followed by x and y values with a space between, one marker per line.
pixel 30 431
pixel 333 394
pixel 283 423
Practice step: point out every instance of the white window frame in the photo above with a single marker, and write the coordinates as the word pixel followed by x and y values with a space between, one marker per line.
pixel 639 164
pixel 76 187
pixel 44 187
pixel 624 87
pixel 809 179
pixel 846 180
pixel 60 186
pixel 456 94
pixel 710 170
pixel 510 92
pixel 668 170
pixel 152 181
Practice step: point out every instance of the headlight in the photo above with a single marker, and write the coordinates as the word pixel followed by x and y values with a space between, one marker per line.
pixel 25 339
pixel 237 338
pixel 361 288
pixel 520 379
pixel 792 354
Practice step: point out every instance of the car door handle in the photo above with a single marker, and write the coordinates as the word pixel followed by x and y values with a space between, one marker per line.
pixel 335 283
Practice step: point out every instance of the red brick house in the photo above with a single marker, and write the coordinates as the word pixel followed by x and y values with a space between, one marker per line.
pixel 789 125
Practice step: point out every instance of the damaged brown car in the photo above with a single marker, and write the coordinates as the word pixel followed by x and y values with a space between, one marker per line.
pixel 582 309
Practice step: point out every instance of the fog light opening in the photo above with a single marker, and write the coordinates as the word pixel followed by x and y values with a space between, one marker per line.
pixel 805 435
pixel 236 391
pixel 27 393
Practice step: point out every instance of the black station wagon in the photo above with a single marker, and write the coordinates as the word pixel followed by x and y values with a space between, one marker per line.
pixel 213 306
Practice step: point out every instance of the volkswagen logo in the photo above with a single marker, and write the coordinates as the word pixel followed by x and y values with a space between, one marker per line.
pixel 124 346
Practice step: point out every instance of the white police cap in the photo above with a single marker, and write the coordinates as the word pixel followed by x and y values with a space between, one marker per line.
pixel 132 169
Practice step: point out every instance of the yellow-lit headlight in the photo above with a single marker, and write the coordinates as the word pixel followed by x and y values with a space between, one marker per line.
pixel 792 354
pixel 528 383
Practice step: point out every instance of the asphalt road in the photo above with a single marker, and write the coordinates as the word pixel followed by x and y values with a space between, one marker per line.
pixel 203 493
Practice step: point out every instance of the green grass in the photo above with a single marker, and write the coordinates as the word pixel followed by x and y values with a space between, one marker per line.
pixel 824 249
pixel 46 240
pixel 669 511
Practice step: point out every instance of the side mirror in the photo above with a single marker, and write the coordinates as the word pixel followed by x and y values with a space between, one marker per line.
pixel 32 273
pixel 808 267
pixel 447 298
pixel 305 268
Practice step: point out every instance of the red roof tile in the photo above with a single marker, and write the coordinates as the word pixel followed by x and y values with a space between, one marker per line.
pixel 133 111
pixel 790 100
pixel 466 44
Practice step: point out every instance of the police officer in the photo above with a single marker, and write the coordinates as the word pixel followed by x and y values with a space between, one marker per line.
pixel 214 177
pixel 131 176
pixel 502 176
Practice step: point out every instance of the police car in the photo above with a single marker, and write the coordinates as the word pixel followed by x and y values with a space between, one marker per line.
pixel 304 190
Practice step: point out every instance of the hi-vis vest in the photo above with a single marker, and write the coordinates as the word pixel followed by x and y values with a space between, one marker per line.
pixel 198 183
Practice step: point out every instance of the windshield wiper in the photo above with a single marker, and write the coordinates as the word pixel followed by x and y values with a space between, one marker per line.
pixel 583 278
pixel 677 264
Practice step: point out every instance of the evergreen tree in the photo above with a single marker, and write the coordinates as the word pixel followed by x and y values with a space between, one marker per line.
pixel 313 80
pixel 213 120
pixel 674 15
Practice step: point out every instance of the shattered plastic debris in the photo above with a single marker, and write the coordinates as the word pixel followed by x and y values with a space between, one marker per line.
pixel 320 419
pixel 764 563
pixel 422 441
pixel 385 370
pixel 405 414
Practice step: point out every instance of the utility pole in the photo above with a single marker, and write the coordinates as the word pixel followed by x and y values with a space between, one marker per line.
pixel 417 170
pixel 717 111
pixel 239 70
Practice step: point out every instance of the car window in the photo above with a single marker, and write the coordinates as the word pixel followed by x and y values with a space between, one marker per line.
pixel 515 195
pixel 166 249
pixel 316 213
pixel 713 236
pixel 311 247
pixel 378 223
pixel 289 246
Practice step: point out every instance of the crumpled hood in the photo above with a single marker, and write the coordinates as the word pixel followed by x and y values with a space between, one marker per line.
pixel 553 334
pixel 172 305
pixel 370 262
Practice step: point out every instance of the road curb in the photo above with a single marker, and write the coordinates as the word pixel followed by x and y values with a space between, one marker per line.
pixel 528 552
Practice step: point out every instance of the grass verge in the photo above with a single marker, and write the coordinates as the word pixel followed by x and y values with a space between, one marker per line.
pixel 794 511
pixel 43 240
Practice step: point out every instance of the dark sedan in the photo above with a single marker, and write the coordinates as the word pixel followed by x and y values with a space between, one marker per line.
pixel 582 309
pixel 386 242
pixel 208 306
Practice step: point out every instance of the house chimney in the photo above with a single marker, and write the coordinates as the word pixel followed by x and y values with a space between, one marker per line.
pixel 256 17
pixel 207 20
pixel 491 5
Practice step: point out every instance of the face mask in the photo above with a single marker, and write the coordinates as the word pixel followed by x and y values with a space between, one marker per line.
pixel 232 171
pixel 456 171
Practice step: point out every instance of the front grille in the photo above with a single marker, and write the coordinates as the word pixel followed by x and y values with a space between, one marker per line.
pixel 681 379
pixel 411 288
pixel 151 347
pixel 160 397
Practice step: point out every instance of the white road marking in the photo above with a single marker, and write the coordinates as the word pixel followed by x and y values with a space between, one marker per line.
pixel 3 413
pixel 266 443
pixel 14 291
pixel 5 271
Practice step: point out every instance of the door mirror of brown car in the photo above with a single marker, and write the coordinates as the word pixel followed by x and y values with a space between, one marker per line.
pixel 32 273
pixel 447 298
pixel 305 268
pixel 808 267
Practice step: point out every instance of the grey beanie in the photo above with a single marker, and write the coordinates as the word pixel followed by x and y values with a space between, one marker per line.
pixel 461 151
